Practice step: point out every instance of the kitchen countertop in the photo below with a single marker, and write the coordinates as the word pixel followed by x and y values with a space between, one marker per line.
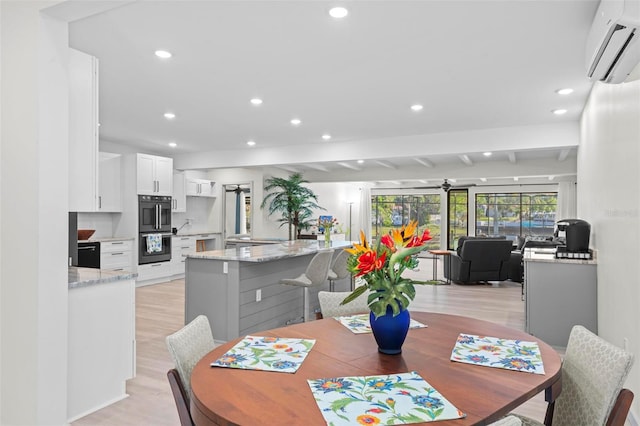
pixel 105 239
pixel 84 277
pixel 268 252
pixel 548 255
pixel 193 234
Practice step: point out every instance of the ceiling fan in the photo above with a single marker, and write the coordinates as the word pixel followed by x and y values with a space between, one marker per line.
pixel 237 189
pixel 445 186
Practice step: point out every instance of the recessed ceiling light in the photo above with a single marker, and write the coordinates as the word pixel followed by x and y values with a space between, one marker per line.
pixel 564 91
pixel 338 12
pixel 360 161
pixel 559 111
pixel 163 54
pixel 326 136
pixel 173 144
pixel 487 154
pixel 296 121
pixel 251 143
pixel 256 101
pixel 417 107
pixel 169 115
pixel 516 178
pixel 483 179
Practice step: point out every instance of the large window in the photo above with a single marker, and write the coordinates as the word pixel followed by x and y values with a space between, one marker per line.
pixel 393 211
pixel 458 213
pixel 516 214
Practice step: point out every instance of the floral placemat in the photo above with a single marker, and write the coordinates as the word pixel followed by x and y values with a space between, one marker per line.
pixel 501 353
pixel 389 399
pixel 360 323
pixel 266 353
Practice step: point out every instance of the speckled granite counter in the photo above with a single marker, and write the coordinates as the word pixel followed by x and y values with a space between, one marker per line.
pixel 268 252
pixel 106 239
pixel 239 289
pixel 83 277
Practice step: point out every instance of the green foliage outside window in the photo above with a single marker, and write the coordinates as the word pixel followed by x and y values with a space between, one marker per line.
pixel 393 211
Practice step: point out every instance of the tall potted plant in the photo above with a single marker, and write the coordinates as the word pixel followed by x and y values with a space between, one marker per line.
pixel 291 199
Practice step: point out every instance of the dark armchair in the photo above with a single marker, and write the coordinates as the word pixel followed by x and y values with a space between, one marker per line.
pixel 479 259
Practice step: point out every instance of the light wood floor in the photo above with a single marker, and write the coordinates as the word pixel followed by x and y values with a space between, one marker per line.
pixel 160 312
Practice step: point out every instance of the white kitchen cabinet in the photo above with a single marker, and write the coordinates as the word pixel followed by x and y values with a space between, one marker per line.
pixel 154 175
pixel 83 132
pixel 200 188
pixel 181 245
pixel 179 198
pixel 110 189
pixel 152 273
pixel 116 255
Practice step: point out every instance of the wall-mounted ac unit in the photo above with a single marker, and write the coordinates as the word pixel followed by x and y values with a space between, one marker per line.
pixel 613 49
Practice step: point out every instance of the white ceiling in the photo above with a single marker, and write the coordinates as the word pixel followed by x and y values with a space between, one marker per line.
pixel 474 65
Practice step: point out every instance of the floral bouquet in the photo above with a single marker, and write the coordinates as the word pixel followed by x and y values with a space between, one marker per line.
pixel 382 267
pixel 327 222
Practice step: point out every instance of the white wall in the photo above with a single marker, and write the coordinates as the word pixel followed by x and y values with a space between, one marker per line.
pixel 33 288
pixel 336 198
pixel 608 198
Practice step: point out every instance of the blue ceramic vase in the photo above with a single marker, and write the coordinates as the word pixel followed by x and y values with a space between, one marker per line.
pixel 390 331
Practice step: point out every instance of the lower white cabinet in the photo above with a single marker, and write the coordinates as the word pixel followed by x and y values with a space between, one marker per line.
pixel 154 272
pixel 181 245
pixel 116 255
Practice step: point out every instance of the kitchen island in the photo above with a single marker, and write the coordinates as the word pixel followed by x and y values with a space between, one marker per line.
pixel 101 338
pixel 239 289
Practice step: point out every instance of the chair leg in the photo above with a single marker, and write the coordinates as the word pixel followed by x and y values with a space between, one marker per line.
pixel 305 303
pixel 332 285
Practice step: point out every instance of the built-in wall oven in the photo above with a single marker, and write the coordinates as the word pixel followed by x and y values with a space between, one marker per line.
pixel 154 227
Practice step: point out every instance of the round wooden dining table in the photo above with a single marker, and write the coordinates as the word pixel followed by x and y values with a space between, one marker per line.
pixel 228 396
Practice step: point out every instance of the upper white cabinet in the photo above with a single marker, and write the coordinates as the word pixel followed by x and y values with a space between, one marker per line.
pixel 155 175
pixel 83 132
pixel 179 199
pixel 110 189
pixel 200 187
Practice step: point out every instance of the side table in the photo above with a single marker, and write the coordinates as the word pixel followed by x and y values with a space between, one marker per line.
pixel 435 254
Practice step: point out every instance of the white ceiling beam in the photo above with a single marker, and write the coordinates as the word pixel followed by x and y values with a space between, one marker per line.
pixel 563 154
pixel 318 167
pixel 288 168
pixel 512 157
pixel 385 164
pixel 424 162
pixel 348 166
pixel 465 159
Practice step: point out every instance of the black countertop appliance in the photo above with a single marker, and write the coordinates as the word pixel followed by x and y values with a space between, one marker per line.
pixel 576 233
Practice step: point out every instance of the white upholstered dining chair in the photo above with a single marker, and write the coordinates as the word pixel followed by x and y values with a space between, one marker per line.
pixel 507 421
pixel 187 346
pixel 593 374
pixel 330 304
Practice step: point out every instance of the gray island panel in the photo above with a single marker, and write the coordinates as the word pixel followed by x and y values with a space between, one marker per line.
pixel 225 285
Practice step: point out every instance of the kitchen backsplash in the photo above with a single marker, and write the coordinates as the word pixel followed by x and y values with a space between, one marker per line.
pixel 201 214
pixel 101 222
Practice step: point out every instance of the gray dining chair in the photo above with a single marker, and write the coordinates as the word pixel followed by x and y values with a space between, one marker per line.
pixel 316 274
pixel 187 346
pixel 339 269
pixel 593 376
pixel 330 304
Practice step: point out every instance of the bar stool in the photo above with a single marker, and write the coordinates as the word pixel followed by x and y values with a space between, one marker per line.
pixel 201 245
pixel 339 269
pixel 315 275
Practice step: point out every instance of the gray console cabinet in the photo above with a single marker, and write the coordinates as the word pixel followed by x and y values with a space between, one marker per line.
pixel 559 295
